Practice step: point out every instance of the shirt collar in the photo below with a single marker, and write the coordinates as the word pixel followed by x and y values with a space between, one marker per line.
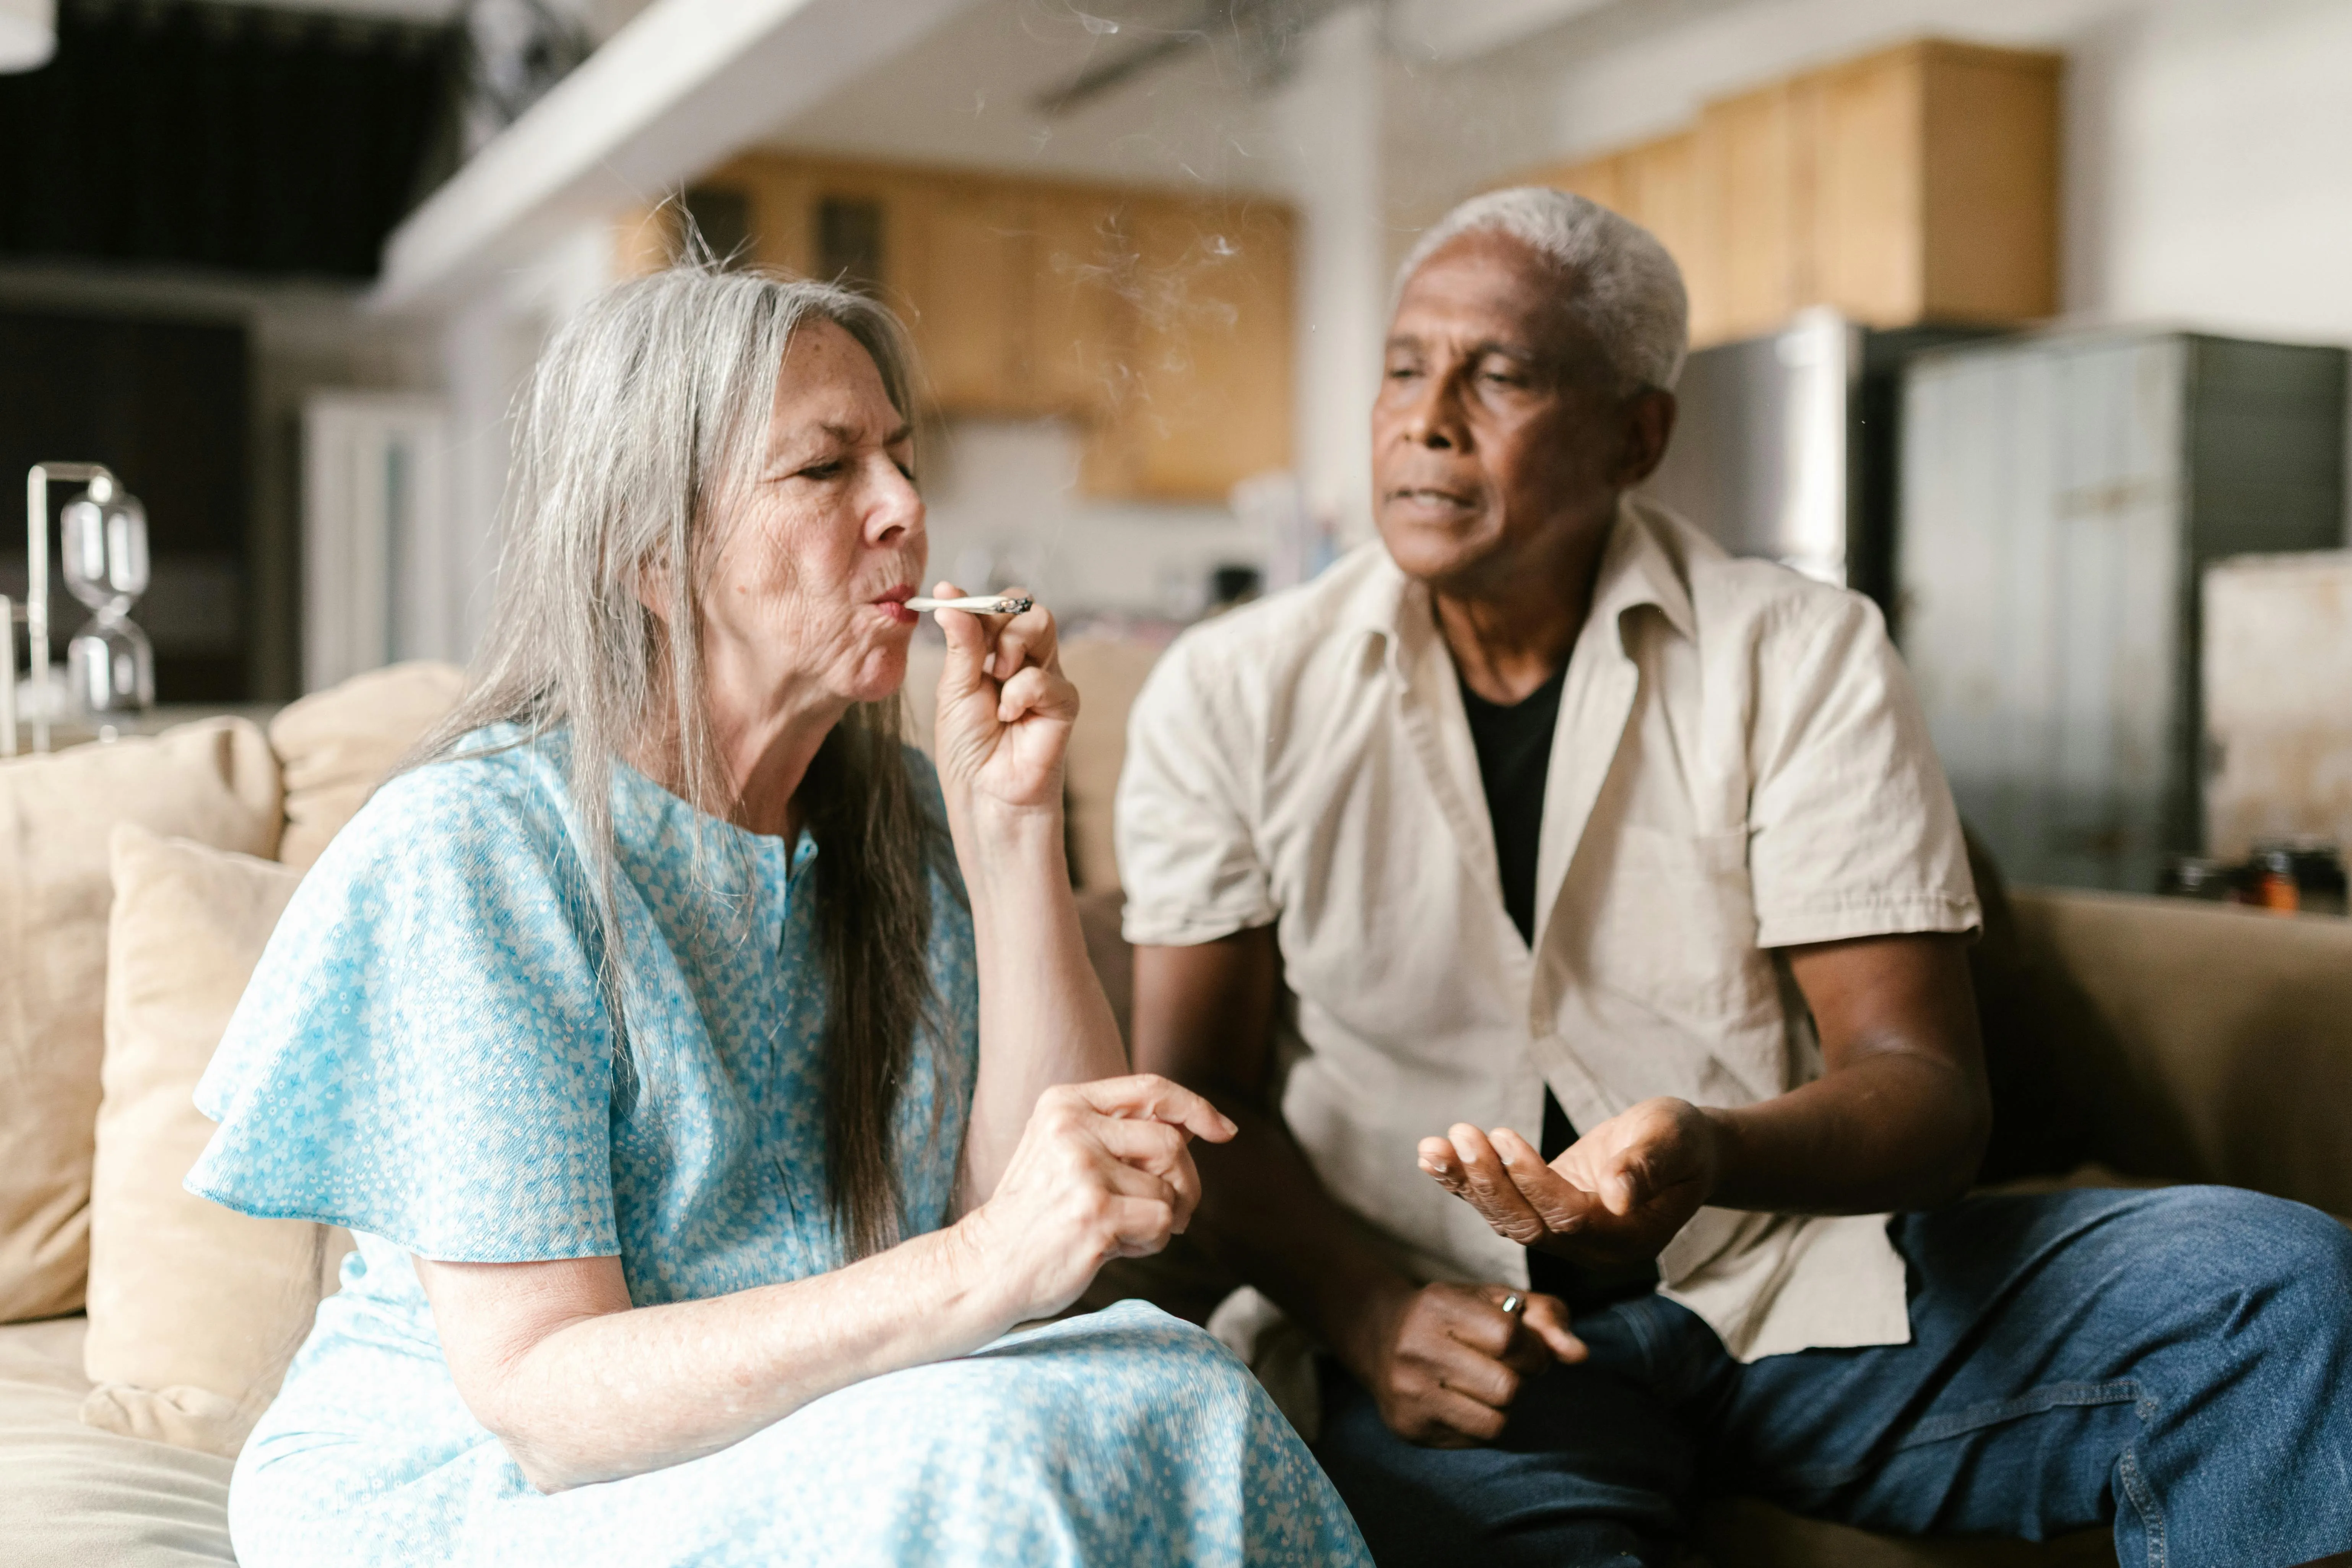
pixel 1637 568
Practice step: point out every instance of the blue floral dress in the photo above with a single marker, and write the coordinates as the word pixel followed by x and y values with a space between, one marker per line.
pixel 424 1056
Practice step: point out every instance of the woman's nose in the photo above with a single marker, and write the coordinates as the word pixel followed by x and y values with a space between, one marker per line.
pixel 895 508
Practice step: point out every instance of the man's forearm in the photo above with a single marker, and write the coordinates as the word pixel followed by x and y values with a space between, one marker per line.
pixel 1894 1130
pixel 1204 1016
pixel 1899 1117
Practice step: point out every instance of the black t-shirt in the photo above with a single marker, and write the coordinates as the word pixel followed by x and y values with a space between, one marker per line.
pixel 1513 746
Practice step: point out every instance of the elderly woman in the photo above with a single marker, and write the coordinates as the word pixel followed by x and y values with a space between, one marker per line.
pixel 709 1089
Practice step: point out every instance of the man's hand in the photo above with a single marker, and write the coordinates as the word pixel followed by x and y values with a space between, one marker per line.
pixel 1449 1360
pixel 1617 1196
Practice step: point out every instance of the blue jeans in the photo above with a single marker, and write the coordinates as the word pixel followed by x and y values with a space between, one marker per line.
pixel 2177 1362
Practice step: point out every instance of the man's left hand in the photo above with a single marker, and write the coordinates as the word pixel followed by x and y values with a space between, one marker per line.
pixel 1615 1197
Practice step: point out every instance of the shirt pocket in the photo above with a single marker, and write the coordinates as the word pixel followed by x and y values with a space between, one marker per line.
pixel 1672 925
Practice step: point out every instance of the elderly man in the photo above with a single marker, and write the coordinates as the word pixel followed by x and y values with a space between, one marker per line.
pixel 1542 816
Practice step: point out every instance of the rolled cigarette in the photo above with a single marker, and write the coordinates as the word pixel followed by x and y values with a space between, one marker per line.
pixel 979 605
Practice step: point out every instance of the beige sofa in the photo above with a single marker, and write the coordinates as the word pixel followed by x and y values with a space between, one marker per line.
pixel 2162 1040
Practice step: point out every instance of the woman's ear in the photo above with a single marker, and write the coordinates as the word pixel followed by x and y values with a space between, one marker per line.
pixel 654 587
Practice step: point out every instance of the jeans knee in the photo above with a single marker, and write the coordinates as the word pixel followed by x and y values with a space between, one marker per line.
pixel 2285 1256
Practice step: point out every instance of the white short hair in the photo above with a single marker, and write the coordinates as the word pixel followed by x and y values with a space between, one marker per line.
pixel 1621 283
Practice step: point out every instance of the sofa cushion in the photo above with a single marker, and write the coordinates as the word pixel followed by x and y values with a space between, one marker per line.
pixel 2212 1043
pixel 338 744
pixel 76 1498
pixel 215 782
pixel 194 1308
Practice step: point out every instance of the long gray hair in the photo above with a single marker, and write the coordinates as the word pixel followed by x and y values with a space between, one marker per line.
pixel 643 415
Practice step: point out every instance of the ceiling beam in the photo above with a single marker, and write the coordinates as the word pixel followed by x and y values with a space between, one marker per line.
pixel 682 86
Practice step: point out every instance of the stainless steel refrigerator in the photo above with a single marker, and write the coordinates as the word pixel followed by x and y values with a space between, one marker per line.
pixel 1786 446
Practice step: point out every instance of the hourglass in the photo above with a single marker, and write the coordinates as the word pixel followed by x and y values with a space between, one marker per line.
pixel 109 665
pixel 102 544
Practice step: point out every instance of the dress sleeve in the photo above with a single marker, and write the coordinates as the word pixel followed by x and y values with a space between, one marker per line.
pixel 1188 853
pixel 423 1053
pixel 1851 829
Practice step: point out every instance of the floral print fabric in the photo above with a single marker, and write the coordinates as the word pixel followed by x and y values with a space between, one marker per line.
pixel 424 1055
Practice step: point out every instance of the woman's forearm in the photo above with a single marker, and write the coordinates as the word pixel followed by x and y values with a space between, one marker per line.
pixel 592 1389
pixel 1042 1016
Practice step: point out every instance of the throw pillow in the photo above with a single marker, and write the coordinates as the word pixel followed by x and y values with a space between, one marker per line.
pixel 338 744
pixel 194 1308
pixel 215 782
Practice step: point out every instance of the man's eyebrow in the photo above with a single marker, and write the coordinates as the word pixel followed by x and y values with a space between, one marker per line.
pixel 1525 352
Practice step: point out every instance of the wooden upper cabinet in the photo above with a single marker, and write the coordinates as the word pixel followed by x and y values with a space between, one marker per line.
pixel 1753 156
pixel 1989 182
pixel 966 268
pixel 1203 400
pixel 1918 184
pixel 1594 179
pixel 1081 330
pixel 1660 181
pixel 1866 207
pixel 1160 324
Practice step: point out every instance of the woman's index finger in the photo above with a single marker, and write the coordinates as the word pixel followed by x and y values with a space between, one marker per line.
pixel 1161 1100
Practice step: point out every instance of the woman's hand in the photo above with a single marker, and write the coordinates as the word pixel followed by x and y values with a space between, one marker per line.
pixel 1004 709
pixel 1102 1171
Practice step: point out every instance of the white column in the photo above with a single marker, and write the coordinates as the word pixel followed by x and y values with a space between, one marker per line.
pixel 1327 120
pixel 485 350
pixel 489 342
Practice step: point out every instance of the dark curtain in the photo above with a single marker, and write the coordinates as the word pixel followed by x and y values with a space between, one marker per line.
pixel 164 403
pixel 232 136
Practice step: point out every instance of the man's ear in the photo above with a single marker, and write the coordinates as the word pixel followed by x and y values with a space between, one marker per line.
pixel 1649 425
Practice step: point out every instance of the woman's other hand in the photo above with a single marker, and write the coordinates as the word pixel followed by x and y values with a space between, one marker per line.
pixel 1102 1171
pixel 1005 708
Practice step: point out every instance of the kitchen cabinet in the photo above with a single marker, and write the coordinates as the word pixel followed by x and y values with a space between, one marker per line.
pixel 1915 185
pixel 1934 190
pixel 1203 399
pixel 1754 154
pixel 1160 323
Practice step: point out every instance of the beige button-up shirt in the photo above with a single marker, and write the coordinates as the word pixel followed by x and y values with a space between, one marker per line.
pixel 1740 766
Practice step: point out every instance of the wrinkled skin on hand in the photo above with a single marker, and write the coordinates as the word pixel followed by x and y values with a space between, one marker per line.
pixel 1614 1197
pixel 1003 723
pixel 1103 1170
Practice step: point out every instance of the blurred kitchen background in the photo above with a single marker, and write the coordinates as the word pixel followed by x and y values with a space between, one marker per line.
pixel 2024 317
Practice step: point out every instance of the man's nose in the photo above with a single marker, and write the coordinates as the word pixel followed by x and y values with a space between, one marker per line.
pixel 1434 418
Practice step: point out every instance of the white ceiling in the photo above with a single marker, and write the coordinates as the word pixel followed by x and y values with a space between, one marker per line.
pixel 966 94
pixel 1447 31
